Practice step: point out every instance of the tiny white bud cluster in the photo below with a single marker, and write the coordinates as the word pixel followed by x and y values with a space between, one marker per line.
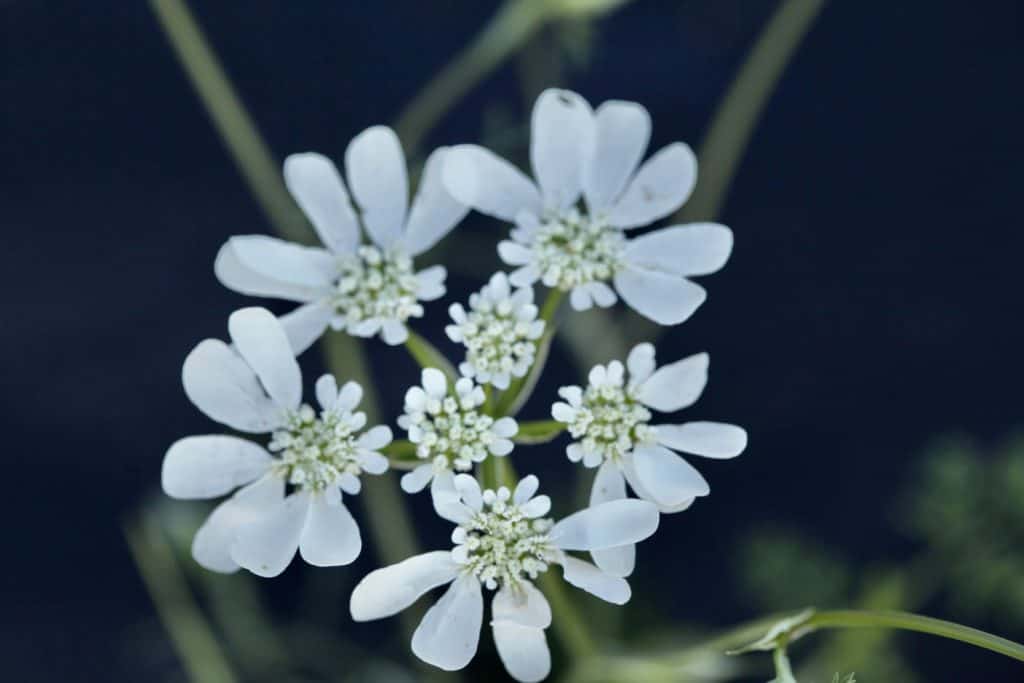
pixel 500 332
pixel 502 544
pixel 606 419
pixel 317 452
pixel 375 284
pixel 574 249
pixel 450 431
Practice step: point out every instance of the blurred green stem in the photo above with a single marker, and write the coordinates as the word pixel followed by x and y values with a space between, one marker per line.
pixel 233 123
pixel 915 622
pixel 175 606
pixel 514 23
pixel 737 114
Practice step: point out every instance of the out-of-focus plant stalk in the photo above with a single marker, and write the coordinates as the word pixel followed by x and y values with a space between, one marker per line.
pixel 175 606
pixel 387 515
pixel 515 22
pixel 737 114
pixel 229 116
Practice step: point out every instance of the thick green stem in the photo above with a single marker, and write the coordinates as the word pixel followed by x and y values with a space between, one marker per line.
pixel 514 23
pixel 915 622
pixel 241 137
pixel 550 306
pixel 175 605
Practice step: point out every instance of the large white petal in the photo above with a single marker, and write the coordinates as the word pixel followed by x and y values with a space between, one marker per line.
pixel 210 466
pixel 524 605
pixel 709 439
pixel 640 362
pixel 434 211
pixel 376 171
pixel 561 136
pixel 267 545
pixel 236 275
pixel 211 546
pixel 586 576
pixel 665 299
pixel 693 249
pixel 331 537
pixel 220 384
pixel 667 477
pixel 480 179
pixel 638 487
pixel 263 344
pixel 661 186
pixel 622 132
pixel 523 650
pixel 677 385
pixel 317 187
pixel 306 324
pixel 390 590
pixel 609 485
pixel 607 525
pixel 448 635
pixel 258 265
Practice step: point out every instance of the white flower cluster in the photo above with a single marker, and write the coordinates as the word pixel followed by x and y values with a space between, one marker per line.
pixel 571 236
pixel 500 332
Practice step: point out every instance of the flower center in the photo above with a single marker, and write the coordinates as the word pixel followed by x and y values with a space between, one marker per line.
pixel 496 340
pixel 574 249
pixel 500 545
pixel 453 433
pixel 316 452
pixel 611 422
pixel 376 284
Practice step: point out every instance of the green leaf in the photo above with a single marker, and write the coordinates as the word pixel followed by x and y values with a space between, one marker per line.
pixel 427 355
pixel 539 431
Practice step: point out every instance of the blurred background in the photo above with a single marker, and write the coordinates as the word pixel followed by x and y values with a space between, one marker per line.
pixel 866 331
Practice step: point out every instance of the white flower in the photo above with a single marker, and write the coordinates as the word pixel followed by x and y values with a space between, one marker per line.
pixel 575 151
pixel 450 431
pixel 364 289
pixel 500 332
pixel 255 386
pixel 502 542
pixel 610 424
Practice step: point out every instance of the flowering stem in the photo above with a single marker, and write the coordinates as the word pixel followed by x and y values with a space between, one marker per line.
pixel 427 356
pixel 550 307
pixel 916 622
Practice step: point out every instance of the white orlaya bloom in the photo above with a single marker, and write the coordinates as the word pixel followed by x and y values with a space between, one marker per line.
pixel 500 332
pixel 576 152
pixel 364 289
pixel 451 431
pixel 609 422
pixel 503 542
pixel 255 386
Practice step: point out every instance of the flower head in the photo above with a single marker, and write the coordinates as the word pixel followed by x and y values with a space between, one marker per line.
pixel 364 289
pixel 609 421
pixel 583 249
pixel 503 541
pixel 255 386
pixel 451 431
pixel 500 332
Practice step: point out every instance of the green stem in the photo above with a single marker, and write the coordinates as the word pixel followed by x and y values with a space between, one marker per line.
pixel 175 605
pixel 567 622
pixel 915 622
pixel 428 356
pixel 550 306
pixel 241 137
pixel 514 23
pixel 736 116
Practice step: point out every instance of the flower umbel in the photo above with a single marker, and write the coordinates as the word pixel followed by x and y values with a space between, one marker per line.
pixel 451 431
pixel 500 332
pixel 256 387
pixel 376 285
pixel 579 153
pixel 504 542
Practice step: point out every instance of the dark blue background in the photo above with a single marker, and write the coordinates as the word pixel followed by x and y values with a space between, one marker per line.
pixel 872 300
